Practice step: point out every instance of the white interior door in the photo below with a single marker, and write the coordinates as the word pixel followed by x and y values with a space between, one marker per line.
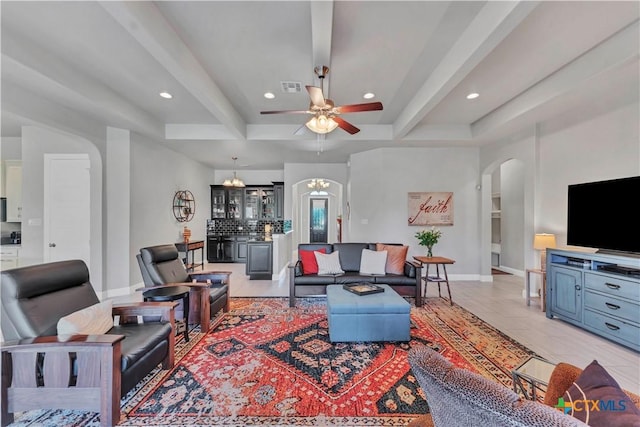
pixel 67 206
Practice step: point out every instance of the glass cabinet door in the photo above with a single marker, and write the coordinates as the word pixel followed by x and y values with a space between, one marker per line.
pixel 268 204
pixel 234 207
pixel 251 203
pixel 218 203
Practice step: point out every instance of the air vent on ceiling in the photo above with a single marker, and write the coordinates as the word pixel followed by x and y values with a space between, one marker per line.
pixel 291 87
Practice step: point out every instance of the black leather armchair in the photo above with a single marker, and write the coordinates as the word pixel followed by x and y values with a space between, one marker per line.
pixel 43 370
pixel 161 266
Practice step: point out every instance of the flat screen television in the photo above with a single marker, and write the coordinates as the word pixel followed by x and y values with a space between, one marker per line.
pixel 605 215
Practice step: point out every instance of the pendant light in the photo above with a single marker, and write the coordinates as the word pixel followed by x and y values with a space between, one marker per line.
pixel 235 182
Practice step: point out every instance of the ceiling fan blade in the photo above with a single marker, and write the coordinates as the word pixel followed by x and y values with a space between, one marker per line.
pixel 345 125
pixel 287 112
pixel 317 98
pixel 354 108
pixel 301 130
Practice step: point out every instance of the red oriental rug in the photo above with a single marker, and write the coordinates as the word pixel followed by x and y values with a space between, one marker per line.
pixel 268 364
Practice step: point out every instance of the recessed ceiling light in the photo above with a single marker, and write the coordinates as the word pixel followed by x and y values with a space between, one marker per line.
pixel 369 95
pixel 269 95
pixel 473 95
pixel 166 95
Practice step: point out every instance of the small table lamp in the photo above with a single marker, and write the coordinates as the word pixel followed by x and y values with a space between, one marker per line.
pixel 541 242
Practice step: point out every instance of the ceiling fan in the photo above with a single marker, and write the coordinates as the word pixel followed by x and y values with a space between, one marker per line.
pixel 325 113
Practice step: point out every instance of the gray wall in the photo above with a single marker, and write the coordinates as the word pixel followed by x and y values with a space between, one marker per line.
pixel 512 215
pixel 380 180
pixel 36 142
pixel 605 147
pixel 156 174
pixel 376 184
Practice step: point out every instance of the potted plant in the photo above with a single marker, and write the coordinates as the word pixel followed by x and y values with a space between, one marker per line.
pixel 429 238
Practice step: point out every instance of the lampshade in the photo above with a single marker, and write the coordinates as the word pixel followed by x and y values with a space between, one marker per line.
pixel 543 241
pixel 321 124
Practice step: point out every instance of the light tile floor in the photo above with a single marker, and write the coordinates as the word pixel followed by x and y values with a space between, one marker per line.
pixel 499 303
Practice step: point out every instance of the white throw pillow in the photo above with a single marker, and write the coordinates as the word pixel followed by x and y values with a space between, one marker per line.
pixel 328 263
pixel 373 262
pixel 93 320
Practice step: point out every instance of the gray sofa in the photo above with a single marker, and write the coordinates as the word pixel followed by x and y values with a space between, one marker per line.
pixel 43 370
pixel 407 284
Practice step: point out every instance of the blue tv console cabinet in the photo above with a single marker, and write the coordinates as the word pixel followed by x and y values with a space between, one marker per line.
pixel 597 292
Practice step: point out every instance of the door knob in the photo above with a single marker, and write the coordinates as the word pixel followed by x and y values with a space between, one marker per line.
pixel 52 245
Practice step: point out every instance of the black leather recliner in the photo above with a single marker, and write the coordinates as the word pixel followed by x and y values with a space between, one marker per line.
pixel 161 266
pixel 43 370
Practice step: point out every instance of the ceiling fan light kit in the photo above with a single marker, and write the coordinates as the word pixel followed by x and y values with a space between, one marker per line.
pixel 325 114
pixel 321 124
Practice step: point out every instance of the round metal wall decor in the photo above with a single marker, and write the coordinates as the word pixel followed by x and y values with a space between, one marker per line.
pixel 184 206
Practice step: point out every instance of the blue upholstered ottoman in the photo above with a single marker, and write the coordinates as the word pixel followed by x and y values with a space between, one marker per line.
pixel 384 316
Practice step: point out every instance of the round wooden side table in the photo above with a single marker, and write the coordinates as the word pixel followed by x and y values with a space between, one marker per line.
pixel 172 293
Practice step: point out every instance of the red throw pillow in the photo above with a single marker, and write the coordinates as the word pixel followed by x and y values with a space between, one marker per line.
pixel 309 263
pixel 396 256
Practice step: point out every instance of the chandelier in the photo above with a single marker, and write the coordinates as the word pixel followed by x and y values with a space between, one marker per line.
pixel 318 184
pixel 235 182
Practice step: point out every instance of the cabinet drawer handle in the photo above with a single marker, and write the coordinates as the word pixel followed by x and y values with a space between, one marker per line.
pixel 612 306
pixel 612 286
pixel 612 327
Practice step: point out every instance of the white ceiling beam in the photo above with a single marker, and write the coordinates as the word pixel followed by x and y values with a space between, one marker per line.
pixel 611 54
pixel 148 26
pixel 493 23
pixel 197 132
pixel 287 132
pixel 28 65
pixel 321 35
pixel 32 109
pixel 439 133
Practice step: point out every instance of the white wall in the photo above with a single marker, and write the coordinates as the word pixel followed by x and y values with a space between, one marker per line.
pixel 118 207
pixel 296 197
pixel 10 148
pixel 512 215
pixel 37 141
pixel 156 174
pixel 602 147
pixel 605 147
pixel 249 177
pixel 380 180
pixel 523 149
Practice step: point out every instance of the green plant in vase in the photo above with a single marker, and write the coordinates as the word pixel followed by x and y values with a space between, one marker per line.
pixel 429 238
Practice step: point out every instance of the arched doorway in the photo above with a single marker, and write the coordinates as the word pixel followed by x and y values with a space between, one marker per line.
pixel 328 200
pixel 503 221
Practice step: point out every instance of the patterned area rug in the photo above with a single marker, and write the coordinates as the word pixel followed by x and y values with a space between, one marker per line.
pixel 268 364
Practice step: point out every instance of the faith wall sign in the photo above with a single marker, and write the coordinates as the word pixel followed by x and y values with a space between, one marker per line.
pixel 431 208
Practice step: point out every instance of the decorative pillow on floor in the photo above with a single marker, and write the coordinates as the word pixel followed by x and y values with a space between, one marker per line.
pixel 613 408
pixel 396 257
pixel 329 263
pixel 93 320
pixel 373 262
pixel 308 259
